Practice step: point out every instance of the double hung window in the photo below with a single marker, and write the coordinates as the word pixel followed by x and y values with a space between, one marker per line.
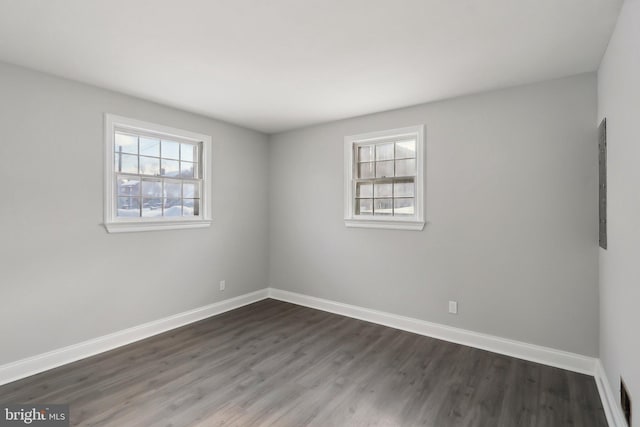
pixel 156 177
pixel 384 179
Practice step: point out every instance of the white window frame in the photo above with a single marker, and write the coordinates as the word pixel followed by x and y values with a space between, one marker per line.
pixel 415 222
pixel 115 224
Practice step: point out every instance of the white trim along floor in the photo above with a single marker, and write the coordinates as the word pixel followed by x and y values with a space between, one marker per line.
pixel 548 356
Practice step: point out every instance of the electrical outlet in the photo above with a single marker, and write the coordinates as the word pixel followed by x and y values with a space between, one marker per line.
pixel 223 285
pixel 453 307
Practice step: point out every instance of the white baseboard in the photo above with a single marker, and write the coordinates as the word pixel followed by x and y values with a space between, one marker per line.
pixel 43 362
pixel 535 353
pixel 612 410
pixel 548 356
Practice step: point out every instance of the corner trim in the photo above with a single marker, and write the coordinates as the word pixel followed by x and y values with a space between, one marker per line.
pixel 612 410
pixel 535 353
pixel 33 365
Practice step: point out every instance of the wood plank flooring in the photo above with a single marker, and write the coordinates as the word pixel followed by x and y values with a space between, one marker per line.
pixel 277 364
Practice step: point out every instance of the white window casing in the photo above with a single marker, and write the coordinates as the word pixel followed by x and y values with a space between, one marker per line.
pixel 384 179
pixel 160 180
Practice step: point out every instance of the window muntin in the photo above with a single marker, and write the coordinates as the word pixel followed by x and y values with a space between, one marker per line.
pixel 156 177
pixel 385 174
pixel 384 179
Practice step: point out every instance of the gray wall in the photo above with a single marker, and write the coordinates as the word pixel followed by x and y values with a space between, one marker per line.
pixel 511 211
pixel 619 102
pixel 63 279
pixel 511 233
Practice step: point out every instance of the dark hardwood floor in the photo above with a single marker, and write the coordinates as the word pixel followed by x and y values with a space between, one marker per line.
pixel 274 363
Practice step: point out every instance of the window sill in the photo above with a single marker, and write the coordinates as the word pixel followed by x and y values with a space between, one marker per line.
pixel 385 224
pixel 130 227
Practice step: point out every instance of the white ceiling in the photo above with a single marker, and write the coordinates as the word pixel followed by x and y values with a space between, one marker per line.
pixel 274 65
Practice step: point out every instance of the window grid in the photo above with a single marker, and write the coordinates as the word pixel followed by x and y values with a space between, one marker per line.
pixel 185 159
pixel 121 155
pixel 373 159
pixel 137 198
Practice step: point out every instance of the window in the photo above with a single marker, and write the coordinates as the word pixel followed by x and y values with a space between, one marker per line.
pixel 384 179
pixel 156 177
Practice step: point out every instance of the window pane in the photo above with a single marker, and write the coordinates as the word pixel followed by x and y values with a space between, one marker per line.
pixel 188 152
pixel 128 206
pixel 170 150
pixel 128 186
pixel 170 168
pixel 365 170
pixel 364 207
pixel 149 147
pixel 406 167
pixel 405 149
pixel 149 166
pixel 172 190
pixel 383 190
pixel 403 188
pixel 188 170
pixel 126 143
pixel 384 152
pixel 151 207
pixel 156 175
pixel 384 169
pixel 172 207
pixel 383 206
pixel 190 190
pixel 191 207
pixel 403 206
pixel 126 163
pixel 364 189
pixel 151 188
pixel 365 153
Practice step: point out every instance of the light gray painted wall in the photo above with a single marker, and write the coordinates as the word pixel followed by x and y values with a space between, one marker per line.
pixel 63 279
pixel 511 210
pixel 619 102
pixel 511 180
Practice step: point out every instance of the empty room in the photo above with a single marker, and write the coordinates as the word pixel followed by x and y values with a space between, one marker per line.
pixel 319 213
